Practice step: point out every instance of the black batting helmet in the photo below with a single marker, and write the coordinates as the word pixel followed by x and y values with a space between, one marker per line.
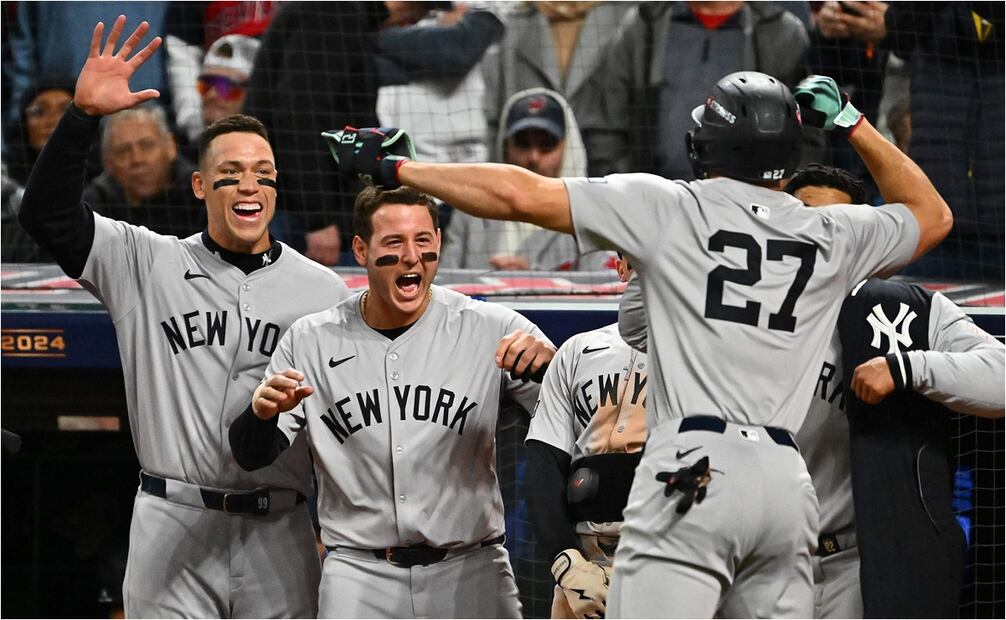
pixel 748 129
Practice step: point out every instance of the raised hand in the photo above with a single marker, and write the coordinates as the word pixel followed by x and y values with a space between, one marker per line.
pixel 103 84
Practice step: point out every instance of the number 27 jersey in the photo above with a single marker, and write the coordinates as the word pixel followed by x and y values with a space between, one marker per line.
pixel 741 284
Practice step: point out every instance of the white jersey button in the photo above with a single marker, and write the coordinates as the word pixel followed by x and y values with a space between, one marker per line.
pixel 235 376
pixel 245 287
pixel 393 356
pixel 246 306
pixel 401 498
pixel 394 376
pixel 398 450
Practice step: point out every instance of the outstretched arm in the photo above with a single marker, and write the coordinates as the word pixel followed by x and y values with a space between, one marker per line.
pixel 494 191
pixel 51 210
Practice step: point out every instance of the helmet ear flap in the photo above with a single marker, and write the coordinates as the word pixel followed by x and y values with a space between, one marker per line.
pixel 693 155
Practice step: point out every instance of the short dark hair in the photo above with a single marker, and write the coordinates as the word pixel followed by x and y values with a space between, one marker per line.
pixel 230 124
pixel 819 175
pixel 371 199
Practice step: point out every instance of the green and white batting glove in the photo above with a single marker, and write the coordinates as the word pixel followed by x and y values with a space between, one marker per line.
pixel 373 154
pixel 824 106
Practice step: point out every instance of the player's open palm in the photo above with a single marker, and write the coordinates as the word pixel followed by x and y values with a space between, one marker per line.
pixel 280 392
pixel 103 84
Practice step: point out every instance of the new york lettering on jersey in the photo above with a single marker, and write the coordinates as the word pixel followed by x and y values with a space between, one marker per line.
pixel 421 403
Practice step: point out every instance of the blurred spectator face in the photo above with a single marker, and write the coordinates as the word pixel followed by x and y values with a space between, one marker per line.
pixel 224 78
pixel 43 113
pixel 537 150
pixel 535 135
pixel 223 92
pixel 138 153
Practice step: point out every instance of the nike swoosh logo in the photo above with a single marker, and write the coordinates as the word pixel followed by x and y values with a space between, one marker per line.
pixel 192 276
pixel 587 350
pixel 682 455
pixel 332 362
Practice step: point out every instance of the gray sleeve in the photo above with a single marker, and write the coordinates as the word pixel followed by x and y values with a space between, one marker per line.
pixel 632 315
pixel 553 415
pixel 882 239
pixel 965 367
pixel 633 213
pixel 524 392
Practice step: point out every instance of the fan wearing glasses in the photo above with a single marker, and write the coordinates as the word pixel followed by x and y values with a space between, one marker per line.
pixel 224 78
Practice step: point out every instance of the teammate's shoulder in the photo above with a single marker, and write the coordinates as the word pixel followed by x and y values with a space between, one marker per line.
pixel 309 266
pixel 337 315
pixel 877 289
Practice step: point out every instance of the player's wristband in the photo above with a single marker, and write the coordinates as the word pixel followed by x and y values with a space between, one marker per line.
pixel 900 366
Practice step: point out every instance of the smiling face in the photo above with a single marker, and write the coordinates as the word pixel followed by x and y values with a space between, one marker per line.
pixel 239 208
pixel 400 267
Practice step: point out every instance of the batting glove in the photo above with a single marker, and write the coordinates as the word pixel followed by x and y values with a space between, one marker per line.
pixel 824 106
pixel 584 583
pixel 372 154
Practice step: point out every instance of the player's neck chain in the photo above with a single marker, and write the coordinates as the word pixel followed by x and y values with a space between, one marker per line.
pixel 366 295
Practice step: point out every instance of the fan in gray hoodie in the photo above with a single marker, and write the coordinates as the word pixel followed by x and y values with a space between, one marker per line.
pixel 539 133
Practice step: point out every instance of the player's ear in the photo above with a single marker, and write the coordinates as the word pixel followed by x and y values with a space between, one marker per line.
pixel 360 251
pixel 197 185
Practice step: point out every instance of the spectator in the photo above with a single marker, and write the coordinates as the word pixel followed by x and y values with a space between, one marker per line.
pixel 226 69
pixel 40 109
pixel 223 81
pixel 955 50
pixel 540 134
pixel 191 29
pixel 15 246
pixel 670 56
pixel 428 62
pixel 846 44
pixel 554 45
pixel 316 70
pixel 52 39
pixel 145 182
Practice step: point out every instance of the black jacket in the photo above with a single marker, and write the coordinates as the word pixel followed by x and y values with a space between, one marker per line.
pixel 911 546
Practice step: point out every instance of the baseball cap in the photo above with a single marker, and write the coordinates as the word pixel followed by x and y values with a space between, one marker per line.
pixel 232 51
pixel 537 111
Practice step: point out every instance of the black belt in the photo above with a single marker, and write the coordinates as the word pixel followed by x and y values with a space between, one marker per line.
pixel 419 555
pixel 257 502
pixel 717 425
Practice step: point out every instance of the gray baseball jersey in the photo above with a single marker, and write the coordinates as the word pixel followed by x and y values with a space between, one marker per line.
pixel 741 285
pixel 403 430
pixel 194 334
pixel 593 397
pixel 403 434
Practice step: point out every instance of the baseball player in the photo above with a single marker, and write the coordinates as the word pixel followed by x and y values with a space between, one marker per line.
pixel 963 369
pixel 590 422
pixel 197 320
pixel 740 284
pixel 397 391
